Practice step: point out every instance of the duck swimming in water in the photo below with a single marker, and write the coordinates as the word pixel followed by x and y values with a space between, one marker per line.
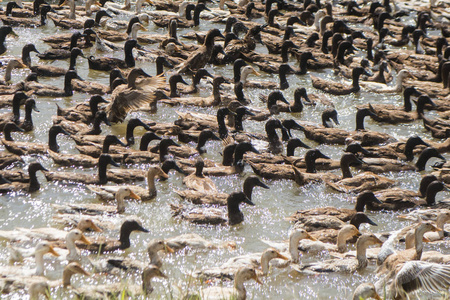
pixel 335 88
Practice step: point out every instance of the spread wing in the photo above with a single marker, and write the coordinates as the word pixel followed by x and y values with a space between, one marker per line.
pixel 430 277
pixel 125 99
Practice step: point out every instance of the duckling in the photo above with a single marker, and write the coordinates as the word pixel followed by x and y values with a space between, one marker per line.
pixel 110 63
pixel 347 265
pixel 338 88
pixel 382 88
pixel 106 193
pixel 127 97
pixel 31 186
pixel 102 178
pixel 197 197
pixel 201 57
pixel 26 148
pixel 197 181
pixel 214 216
pixel 4 31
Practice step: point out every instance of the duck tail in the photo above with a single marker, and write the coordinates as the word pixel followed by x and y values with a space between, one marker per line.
pixel 176 209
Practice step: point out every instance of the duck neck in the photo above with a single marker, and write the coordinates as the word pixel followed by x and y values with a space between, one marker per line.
pixel 265 265
pixel 234 213
pixel 216 94
pixel 43 18
pixel 284 84
pixel 39 258
pixel 129 59
pixel 285 53
pixel 28 118
pixel 324 47
pixel 68 90
pixel 196 17
pixel 102 178
pixel 361 254
pixel 223 131
pixel 124 238
pixel 96 126
pixel 420 107
pixel 240 288
pixel 159 67
pixel 70 244
pixel 163 152
pixel 293 249
pixel 303 65
pixel 238 122
pixel 298 104
pixel 248 189
pixel 73 61
pixel 67 275
pixel 52 142
pixel 8 71
pixel 173 89
pixel 120 203
pixel 418 243
pixel 15 109
pixel 129 137
pixel 407 106
pixel 341 241
pixel 346 173
pixel 310 165
pixel 72 15
pixel 155 259
pixel 355 83
pixel 34 183
pixel 360 120
pixel 440 223
pixel 151 184
pixel 430 197
pixel 370 50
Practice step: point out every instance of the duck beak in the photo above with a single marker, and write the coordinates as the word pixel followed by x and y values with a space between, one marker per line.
pixel 358 233
pixel 263 185
pixel 62 4
pixel 377 297
pixel 425 240
pixel 95 228
pixel 142 229
pixel 112 162
pixel 85 240
pixel 163 175
pixel 168 249
pixel 256 73
pixel 143 28
pixel 21 65
pixel 249 202
pixel 134 196
pixel 369 221
pixel 378 241
pixel 52 251
pixel 309 237
pixel 215 138
pixel 279 255
pixel 161 274
pixel 257 279
pixel 98 4
pixel 13 33
pixel 84 272
pixel 35 108
pixel 434 229
pixel 314 59
pixel 149 2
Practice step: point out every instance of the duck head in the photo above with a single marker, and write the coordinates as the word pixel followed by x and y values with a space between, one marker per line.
pixel 250 182
pixel 171 164
pixel 146 139
pixel 426 154
pixel 148 274
pixel 365 198
pixel 310 160
pixel 329 115
pixel 294 143
pixel 360 218
pixel 425 182
pixel 173 80
pixel 52 134
pixel 289 125
pixel 126 229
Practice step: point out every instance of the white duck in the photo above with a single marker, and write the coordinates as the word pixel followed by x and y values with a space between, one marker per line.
pixel 377 87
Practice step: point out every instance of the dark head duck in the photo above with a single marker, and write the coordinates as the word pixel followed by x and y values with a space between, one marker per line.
pixel 235 216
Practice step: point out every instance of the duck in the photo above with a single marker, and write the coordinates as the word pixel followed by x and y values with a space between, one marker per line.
pixel 53 54
pixel 106 193
pixel 93 209
pixel 72 254
pixel 376 87
pixel 110 63
pixel 27 123
pixel 197 197
pixel 183 23
pixel 335 88
pixel 4 31
pixel 52 91
pixel 127 97
pixel 362 200
pixel 40 250
pixel 213 216
pixel 201 57
pixel 153 249
pixel 238 291
pixel 83 112
pixel 197 181
pixel 51 71
pixel 115 290
pixel 346 265
pixel 256 260
pixel 26 148
pixel 102 178
pixel 18 99
pixel 392 261
pixel 27 22
pixel 31 186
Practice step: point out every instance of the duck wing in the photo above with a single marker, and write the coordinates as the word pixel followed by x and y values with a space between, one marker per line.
pixel 125 99
pixel 416 275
